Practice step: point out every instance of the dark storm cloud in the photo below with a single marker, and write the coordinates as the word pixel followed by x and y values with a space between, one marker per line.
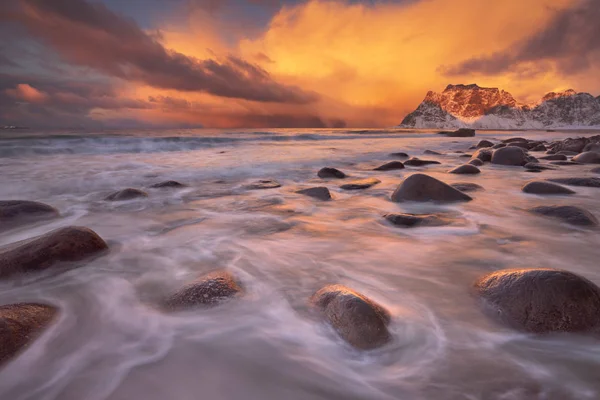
pixel 572 39
pixel 92 35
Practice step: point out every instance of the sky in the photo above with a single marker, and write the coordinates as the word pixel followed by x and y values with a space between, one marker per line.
pixel 280 63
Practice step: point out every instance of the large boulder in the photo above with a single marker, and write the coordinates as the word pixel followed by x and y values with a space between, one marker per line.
pixel 421 187
pixel 569 214
pixel 360 184
pixel 320 192
pixel 541 300
pixel 17 212
pixel 20 325
pixel 64 245
pixel 357 319
pixel 542 187
pixel 514 156
pixel 484 155
pixel 126 194
pixel 575 145
pixel 592 147
pixel 417 162
pixel 588 157
pixel 208 290
pixel 465 169
pixel 392 165
pixel 585 182
pixel 416 220
pixel 329 172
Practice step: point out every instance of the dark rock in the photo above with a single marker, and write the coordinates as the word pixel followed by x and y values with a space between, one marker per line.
pixel 592 147
pixel 515 140
pixel 360 184
pixel 541 300
pixel 467 186
pixel 595 170
pixel 465 156
pixel 16 212
pixel 126 194
pixel 514 156
pixel 321 193
pixel 569 214
pixel 522 145
pixel 415 220
pixel 542 187
pixel 587 182
pixel 575 145
pixel 567 153
pixel 416 162
pixel 484 143
pixel 533 171
pixel 68 244
pixel 431 152
pixel 168 184
pixel 538 166
pixel 476 162
pixel 208 290
pixel 393 165
pixel 588 157
pixel 550 152
pixel 264 184
pixel 554 157
pixel 399 155
pixel 20 325
pixel 356 318
pixel 328 172
pixel 567 163
pixel 465 169
pixel 421 187
pixel 498 146
pixel 484 155
pixel 462 132
pixel 539 147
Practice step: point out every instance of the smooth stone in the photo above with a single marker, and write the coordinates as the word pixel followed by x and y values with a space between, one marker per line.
pixel 14 212
pixel 511 156
pixel 568 153
pixel 484 143
pixel 592 147
pixel 415 220
pixel 550 152
pixel 554 157
pixel 498 146
pixel 589 157
pixel 586 182
pixel 421 187
pixel 168 184
pixel 533 171
pixel 329 172
pixel 208 290
pixel 539 147
pixel 515 140
pixel 465 169
pixel 70 244
pixel 320 192
pixel 393 165
pixel 360 184
pixel 465 156
pixel 476 162
pixel 538 166
pixel 573 145
pixel 357 319
pixel 399 155
pixel 483 155
pixel 542 187
pixel 566 163
pixel 20 325
pixel 569 214
pixel 126 194
pixel 523 145
pixel 416 162
pixel 462 132
pixel 264 184
pixel 431 152
pixel 467 186
pixel 541 300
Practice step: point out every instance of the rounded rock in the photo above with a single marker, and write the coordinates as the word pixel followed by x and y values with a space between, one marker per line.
pixel 360 184
pixel 416 220
pixel 484 144
pixel 510 155
pixel 589 157
pixel 465 169
pixel 484 155
pixel 476 162
pixel 417 162
pixel 320 192
pixel 126 194
pixel 542 187
pixel 168 184
pixel 14 212
pixel 329 172
pixel 422 188
pixel 569 214
pixel 393 165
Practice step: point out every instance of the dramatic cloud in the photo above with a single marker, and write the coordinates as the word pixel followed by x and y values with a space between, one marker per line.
pixel 27 93
pixel 571 40
pixel 92 35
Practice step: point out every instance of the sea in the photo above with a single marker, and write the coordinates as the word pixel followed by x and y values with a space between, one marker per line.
pixel 112 342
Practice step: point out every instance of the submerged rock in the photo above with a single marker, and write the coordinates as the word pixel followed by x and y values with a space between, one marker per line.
pixel 541 300
pixel 68 244
pixel 328 172
pixel 208 290
pixel 542 187
pixel 393 165
pixel 484 143
pixel 567 163
pixel 399 155
pixel 126 194
pixel 462 132
pixel 417 162
pixel 264 184
pixel 17 212
pixel 515 140
pixel 416 220
pixel 539 147
pixel 465 169
pixel 538 166
pixel 592 147
pixel 466 186
pixel 168 184
pixel 484 155
pixel 476 162
pixel 20 325
pixel 586 182
pixel 421 187
pixel 498 146
pixel 320 192
pixel 589 157
pixel 360 184
pixel 431 152
pixel 554 157
pixel 569 214
pixel 512 156
pixel 523 145
pixel 356 318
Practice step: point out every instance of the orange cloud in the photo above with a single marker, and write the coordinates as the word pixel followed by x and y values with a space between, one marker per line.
pixel 28 93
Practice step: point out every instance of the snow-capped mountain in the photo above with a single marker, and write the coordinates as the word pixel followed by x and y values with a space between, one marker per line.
pixel 471 106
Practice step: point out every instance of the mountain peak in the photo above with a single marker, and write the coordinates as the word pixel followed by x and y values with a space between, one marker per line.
pixel 555 95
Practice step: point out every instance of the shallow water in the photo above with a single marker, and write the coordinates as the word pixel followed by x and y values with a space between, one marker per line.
pixel 111 343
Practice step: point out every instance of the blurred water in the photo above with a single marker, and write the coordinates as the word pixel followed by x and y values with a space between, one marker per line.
pixel 111 343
